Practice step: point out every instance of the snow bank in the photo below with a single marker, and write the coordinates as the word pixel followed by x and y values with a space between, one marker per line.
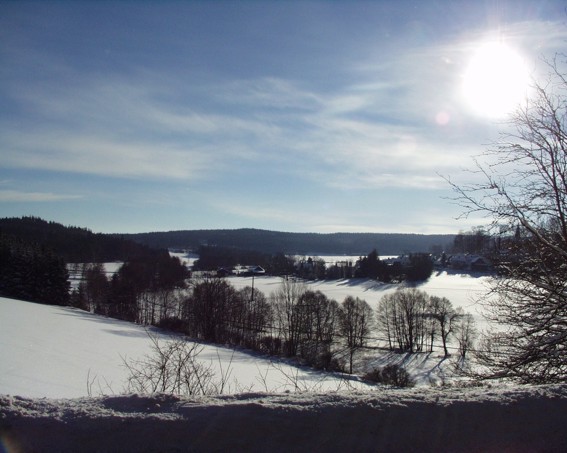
pixel 500 419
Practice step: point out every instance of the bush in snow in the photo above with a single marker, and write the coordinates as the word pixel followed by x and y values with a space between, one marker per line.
pixel 173 367
pixel 392 374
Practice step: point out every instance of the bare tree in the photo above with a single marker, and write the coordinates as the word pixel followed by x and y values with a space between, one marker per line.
pixel 209 310
pixel 523 190
pixel 403 315
pixel 317 319
pixel 287 314
pixel 356 320
pixel 442 312
pixel 466 333
pixel 252 314
pixel 96 287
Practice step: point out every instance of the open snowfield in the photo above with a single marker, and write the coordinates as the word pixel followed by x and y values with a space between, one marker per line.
pixel 468 291
pixel 61 352
pixel 463 290
pixel 65 354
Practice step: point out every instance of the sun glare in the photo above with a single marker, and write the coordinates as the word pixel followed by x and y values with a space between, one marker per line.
pixel 495 81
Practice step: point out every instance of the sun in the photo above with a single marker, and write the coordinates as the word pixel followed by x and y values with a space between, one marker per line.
pixel 495 80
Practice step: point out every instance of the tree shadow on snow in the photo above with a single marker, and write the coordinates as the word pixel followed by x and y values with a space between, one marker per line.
pixel 367 283
pixel 424 367
pixel 123 328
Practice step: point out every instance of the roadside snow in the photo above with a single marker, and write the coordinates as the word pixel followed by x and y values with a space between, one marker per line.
pixel 526 419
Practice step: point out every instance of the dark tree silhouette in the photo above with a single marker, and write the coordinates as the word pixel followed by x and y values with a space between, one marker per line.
pixel 356 321
pixel 32 272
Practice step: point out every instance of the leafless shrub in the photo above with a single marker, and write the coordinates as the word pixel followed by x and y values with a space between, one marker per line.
pixel 173 367
pixel 105 389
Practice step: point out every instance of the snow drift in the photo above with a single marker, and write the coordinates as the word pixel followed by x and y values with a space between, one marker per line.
pixel 503 419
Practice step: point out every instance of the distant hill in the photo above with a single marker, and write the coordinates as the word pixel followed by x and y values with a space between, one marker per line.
pixel 73 244
pixel 297 243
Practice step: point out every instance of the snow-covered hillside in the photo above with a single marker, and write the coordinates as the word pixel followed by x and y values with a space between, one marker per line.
pixel 61 352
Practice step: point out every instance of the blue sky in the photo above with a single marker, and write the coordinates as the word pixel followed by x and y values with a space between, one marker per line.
pixel 290 116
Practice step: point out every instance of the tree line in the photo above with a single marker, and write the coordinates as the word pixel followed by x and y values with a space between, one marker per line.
pixel 417 266
pixel 293 321
pixel 141 291
pixel 212 258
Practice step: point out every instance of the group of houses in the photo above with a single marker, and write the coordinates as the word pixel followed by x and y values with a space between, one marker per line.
pixel 242 271
pixel 460 261
pixel 465 262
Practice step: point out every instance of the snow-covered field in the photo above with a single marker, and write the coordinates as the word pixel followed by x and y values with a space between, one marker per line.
pixel 467 291
pixel 463 290
pixel 64 353
pixel 61 352
pixel 48 351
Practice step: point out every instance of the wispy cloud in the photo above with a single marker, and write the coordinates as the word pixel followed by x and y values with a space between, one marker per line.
pixel 366 134
pixel 85 153
pixel 15 196
pixel 121 129
pixel 275 94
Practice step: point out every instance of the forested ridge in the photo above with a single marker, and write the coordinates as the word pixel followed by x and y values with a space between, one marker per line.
pixel 76 244
pixel 73 244
pixel 297 243
pixel 34 255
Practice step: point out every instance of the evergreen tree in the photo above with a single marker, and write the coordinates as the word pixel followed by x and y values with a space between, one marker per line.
pixel 420 268
pixel 32 272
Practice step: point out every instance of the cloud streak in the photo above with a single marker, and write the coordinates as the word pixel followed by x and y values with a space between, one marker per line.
pixel 88 154
pixel 15 196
